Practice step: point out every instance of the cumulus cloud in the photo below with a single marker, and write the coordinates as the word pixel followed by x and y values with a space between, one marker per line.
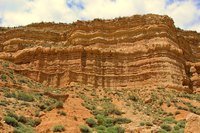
pixel 186 13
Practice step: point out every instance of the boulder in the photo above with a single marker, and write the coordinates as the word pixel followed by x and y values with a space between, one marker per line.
pixel 192 123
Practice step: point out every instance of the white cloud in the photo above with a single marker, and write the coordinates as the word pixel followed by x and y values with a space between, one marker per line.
pixel 195 27
pixel 185 13
pixel 36 11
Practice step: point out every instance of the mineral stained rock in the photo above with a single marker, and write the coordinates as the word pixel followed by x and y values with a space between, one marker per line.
pixel 136 51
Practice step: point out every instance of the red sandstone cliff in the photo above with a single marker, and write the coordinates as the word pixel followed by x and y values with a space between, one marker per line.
pixel 135 51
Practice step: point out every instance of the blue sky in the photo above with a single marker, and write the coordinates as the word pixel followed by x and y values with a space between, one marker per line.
pixel 186 13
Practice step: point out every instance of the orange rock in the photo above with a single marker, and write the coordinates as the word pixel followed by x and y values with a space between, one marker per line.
pixel 192 123
pixel 134 52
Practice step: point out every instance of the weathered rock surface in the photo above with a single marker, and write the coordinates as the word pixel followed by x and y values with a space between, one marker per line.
pixel 193 123
pixel 134 51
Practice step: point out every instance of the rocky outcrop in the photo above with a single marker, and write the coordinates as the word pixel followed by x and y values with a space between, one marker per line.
pixel 137 51
pixel 193 123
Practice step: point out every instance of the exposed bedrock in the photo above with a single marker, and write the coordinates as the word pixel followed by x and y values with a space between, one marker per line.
pixel 137 51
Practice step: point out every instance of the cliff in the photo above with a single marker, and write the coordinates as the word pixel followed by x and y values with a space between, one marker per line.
pixel 137 51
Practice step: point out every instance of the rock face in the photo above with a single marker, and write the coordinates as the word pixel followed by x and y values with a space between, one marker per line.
pixel 193 123
pixel 134 51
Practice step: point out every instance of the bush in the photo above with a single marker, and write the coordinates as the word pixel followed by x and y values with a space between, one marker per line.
pixel 59 104
pixel 11 121
pixel 148 124
pixel 121 120
pixel 115 111
pixel 37 113
pixel 142 123
pixel 49 108
pixel 3 103
pixel 166 127
pixel 33 122
pixel 22 119
pixel 160 102
pixel 105 121
pixel 179 125
pixel 85 129
pixel 3 77
pixel 177 112
pixel 108 122
pixel 101 128
pixel 9 94
pixel 25 97
pixel 11 114
pixel 133 98
pixel 89 106
pixel 20 96
pixel 162 131
pixel 62 113
pixel 23 129
pixel 11 76
pixel 91 122
pixel 176 127
pixel 169 120
pixel 115 129
pixel 58 128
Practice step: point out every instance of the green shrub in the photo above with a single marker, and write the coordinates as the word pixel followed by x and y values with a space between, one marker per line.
pixel 108 122
pixel 162 131
pixel 49 108
pixel 20 96
pixel 168 103
pixel 4 77
pixel 23 129
pixel 85 129
pixel 33 122
pixel 160 102
pixel 176 127
pixel 121 120
pixel 22 119
pixel 62 113
pixel 37 113
pixel 58 128
pixel 115 129
pixel 89 106
pixel 11 114
pixel 114 111
pixel 9 94
pixel 3 103
pixel 166 127
pixel 100 119
pixel 142 123
pixel 5 64
pixel 133 98
pixel 179 125
pixel 59 104
pixel 91 122
pixel 177 112
pixel 11 121
pixel 169 120
pixel 25 97
pixel 148 124
pixel 100 128
pixel 11 76
pixel 105 121
pixel 22 81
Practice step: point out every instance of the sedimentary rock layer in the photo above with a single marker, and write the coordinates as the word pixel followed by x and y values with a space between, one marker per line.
pixel 134 51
